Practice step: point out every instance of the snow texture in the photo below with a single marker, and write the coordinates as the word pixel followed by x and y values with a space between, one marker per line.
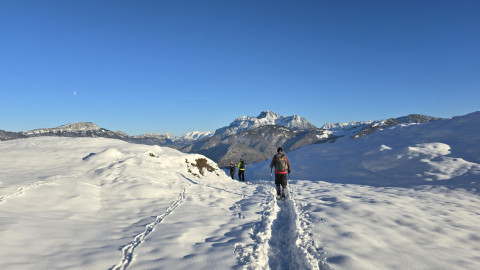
pixel 402 198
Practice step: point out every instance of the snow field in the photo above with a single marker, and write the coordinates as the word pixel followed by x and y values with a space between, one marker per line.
pixel 103 215
pixel 201 233
pixel 394 228
pixel 402 198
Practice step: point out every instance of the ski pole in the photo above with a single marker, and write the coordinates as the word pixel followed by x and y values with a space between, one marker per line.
pixel 270 176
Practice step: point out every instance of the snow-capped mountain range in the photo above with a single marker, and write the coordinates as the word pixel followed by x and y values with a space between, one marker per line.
pixel 252 138
pixel 265 118
pixel 89 129
pixel 78 129
pixel 188 137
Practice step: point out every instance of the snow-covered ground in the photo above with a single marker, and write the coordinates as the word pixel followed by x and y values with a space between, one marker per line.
pixel 94 203
pixel 442 152
pixel 397 199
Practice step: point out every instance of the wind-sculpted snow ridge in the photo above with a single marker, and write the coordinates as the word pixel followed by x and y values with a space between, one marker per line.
pixel 128 250
pixel 282 238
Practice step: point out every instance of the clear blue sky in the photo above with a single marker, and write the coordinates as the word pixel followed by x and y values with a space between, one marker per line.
pixel 179 66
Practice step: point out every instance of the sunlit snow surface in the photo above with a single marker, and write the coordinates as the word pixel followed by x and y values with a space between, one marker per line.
pixel 93 203
pixel 442 152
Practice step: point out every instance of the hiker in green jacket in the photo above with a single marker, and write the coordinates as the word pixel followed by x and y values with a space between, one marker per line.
pixel 241 170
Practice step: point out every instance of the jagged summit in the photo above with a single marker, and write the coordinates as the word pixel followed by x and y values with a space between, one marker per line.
pixel 265 118
pixel 268 114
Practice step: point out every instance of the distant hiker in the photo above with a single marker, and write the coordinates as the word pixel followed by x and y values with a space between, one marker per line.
pixel 232 169
pixel 241 170
pixel 282 167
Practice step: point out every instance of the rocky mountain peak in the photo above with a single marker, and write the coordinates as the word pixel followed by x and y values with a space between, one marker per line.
pixel 269 115
pixel 265 118
pixel 80 126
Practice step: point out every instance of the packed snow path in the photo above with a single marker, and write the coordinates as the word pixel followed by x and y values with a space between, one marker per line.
pixel 282 236
pixel 280 255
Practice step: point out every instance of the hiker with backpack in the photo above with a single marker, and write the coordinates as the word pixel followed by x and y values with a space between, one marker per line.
pixel 241 170
pixel 282 167
pixel 232 169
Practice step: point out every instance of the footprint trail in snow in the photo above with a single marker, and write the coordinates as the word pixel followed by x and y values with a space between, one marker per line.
pixel 128 250
pixel 282 237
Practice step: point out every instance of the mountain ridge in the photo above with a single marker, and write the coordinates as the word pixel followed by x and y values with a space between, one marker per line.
pixel 252 138
pixel 265 118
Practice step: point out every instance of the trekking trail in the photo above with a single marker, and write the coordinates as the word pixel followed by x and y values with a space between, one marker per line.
pixel 282 237
pixel 21 190
pixel 128 250
pixel 49 180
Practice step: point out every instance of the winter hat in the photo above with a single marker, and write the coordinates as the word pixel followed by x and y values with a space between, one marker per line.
pixel 279 149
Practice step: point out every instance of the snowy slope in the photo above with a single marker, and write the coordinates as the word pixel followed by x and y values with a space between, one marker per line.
pixel 82 203
pixel 95 203
pixel 444 152
pixel 419 209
